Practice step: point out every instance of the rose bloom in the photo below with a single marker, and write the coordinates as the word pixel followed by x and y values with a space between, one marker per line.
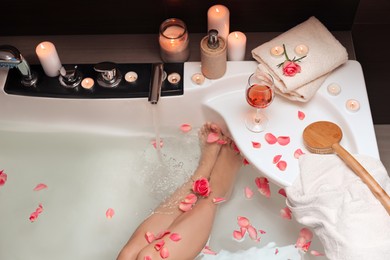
pixel 201 187
pixel 291 68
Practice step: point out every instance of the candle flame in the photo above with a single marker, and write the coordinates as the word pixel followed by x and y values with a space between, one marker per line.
pixel 217 10
pixel 42 46
pixel 236 35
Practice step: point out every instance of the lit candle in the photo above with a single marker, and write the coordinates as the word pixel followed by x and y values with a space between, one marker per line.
pixel 277 51
pixel 87 83
pixel 334 89
pixel 301 50
pixel 236 46
pixel 218 18
pixel 198 78
pixel 174 42
pixel 352 105
pixel 131 76
pixel 174 78
pixel 47 54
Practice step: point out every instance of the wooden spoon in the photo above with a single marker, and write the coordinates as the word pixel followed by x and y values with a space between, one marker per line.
pixel 323 137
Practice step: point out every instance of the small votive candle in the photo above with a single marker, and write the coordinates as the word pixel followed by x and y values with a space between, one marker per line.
pixel 236 46
pixel 277 51
pixel 198 78
pixel 87 83
pixel 301 50
pixel 334 89
pixel 174 78
pixel 218 17
pixel 48 57
pixel 131 76
pixel 352 105
pixel 174 41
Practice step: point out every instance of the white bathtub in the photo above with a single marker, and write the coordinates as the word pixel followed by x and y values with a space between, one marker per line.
pixel 96 154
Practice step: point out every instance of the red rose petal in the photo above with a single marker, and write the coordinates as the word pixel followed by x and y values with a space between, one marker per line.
pixel 159 245
pixel 262 231
pixel 147 258
pixel 218 200
pixel 185 206
pixel 276 158
pixel 252 232
pixel 149 236
pixel 282 192
pixel 110 213
pixel 154 143
pixel 33 216
pixel 164 253
pixel 243 221
pixel 40 186
pixel 245 161
pixel 185 128
pixel 39 210
pixel 298 153
pixel 316 253
pixel 306 246
pixel 3 177
pixel 276 251
pixel 300 242
pixel 237 235
pixel 248 193
pixel 222 142
pixel 207 250
pixel 283 140
pixel 256 144
pixel 270 138
pixel 175 237
pixel 285 213
pixel 212 137
pixel 282 165
pixel 306 234
pixel 190 199
pixel 301 115
pixel 163 234
pixel 263 186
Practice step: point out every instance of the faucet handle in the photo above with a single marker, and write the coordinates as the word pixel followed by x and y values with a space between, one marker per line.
pixel 109 76
pixel 70 77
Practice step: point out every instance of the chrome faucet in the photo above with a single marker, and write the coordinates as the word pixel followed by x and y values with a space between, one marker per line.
pixel 10 57
pixel 156 83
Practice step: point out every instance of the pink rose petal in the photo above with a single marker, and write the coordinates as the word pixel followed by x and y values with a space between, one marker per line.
pixel 276 251
pixel 39 210
pixel 185 206
pixel 263 186
pixel 185 128
pixel 301 241
pixel 147 257
pixel 306 234
pixel 34 216
pixel 149 236
pixel 306 246
pixel 3 177
pixel 252 232
pixel 316 253
pixel 262 231
pixel 298 153
pixel 285 213
pixel 283 140
pixel 270 138
pixel 243 221
pixel 164 253
pixel 282 165
pixel 190 199
pixel 154 143
pixel 237 235
pixel 243 230
pixel 40 186
pixel 110 213
pixel 175 237
pixel 218 200
pixel 222 142
pixel 162 234
pixel 256 144
pixel 245 161
pixel 301 115
pixel 276 158
pixel 248 193
pixel 207 250
pixel 282 192
pixel 212 137
pixel 159 245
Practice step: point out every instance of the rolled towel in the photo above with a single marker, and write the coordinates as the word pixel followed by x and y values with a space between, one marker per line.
pixel 347 218
pixel 325 53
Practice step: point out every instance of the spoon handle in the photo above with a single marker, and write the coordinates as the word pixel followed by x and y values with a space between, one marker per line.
pixel 365 176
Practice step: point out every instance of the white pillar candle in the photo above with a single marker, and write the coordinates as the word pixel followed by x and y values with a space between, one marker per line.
pixel 218 18
pixel 47 54
pixel 236 46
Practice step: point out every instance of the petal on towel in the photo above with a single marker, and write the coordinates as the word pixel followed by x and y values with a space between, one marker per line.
pixel 298 153
pixel 263 186
pixel 149 236
pixel 218 200
pixel 212 137
pixel 207 250
pixel 159 245
pixel 164 253
pixel 282 192
pixel 256 144
pixel 154 143
pixel 185 128
pixel 175 237
pixel 270 138
pixel 283 140
pixel 190 199
pixel 243 221
pixel 301 115
pixel 285 213
pixel 40 186
pixel 316 253
pixel 110 213
pixel 282 165
pixel 248 193
pixel 276 158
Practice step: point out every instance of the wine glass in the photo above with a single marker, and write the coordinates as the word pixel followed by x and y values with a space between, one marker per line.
pixel 259 94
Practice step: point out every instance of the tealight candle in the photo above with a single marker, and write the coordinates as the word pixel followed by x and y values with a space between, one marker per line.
pixel 174 78
pixel 218 18
pixel 334 89
pixel 301 50
pixel 352 105
pixel 87 83
pixel 277 51
pixel 236 46
pixel 47 55
pixel 198 78
pixel 174 41
pixel 131 76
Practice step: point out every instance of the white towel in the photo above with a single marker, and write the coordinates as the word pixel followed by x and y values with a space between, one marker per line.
pixel 325 54
pixel 347 218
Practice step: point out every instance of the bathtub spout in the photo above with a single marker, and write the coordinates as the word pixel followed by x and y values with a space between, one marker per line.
pixel 156 83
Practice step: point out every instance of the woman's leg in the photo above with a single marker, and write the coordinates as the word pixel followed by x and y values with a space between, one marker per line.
pixel 194 226
pixel 168 211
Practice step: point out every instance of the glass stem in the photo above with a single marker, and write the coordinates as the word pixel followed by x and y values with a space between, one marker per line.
pixel 257 117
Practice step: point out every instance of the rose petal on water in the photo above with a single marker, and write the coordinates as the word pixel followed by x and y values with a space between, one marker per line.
pixel 212 137
pixel 283 140
pixel 33 216
pixel 298 153
pixel 243 230
pixel 110 213
pixel 149 236
pixel 285 213
pixel 282 165
pixel 243 221
pixel 248 193
pixel 207 250
pixel 306 234
pixel 40 186
pixel 185 206
pixel 276 251
pixel 270 138
pixel 218 200
pixel 222 142
pixel 263 186
pixel 164 253
pixel 39 210
pixel 175 237
pixel 262 231
pixel 301 115
pixel 159 245
pixel 300 242
pixel 185 128
pixel 316 253
pixel 147 257
pixel 276 158
pixel 237 235
pixel 252 232
pixel 282 192
pixel 3 177
pixel 256 144
pixel 190 199
pixel 154 143
pixel 306 246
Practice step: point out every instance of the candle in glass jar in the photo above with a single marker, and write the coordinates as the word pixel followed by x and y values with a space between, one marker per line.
pixel 218 18
pixel 236 46
pixel 48 57
pixel 174 42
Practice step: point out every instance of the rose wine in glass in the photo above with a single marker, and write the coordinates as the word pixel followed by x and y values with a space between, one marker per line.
pixel 259 94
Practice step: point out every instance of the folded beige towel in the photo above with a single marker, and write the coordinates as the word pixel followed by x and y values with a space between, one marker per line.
pixel 324 55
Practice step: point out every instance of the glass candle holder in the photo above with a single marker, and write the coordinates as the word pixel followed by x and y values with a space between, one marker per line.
pixel 174 41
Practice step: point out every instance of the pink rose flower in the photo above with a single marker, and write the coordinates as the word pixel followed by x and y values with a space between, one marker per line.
pixel 202 187
pixel 3 178
pixel 291 68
